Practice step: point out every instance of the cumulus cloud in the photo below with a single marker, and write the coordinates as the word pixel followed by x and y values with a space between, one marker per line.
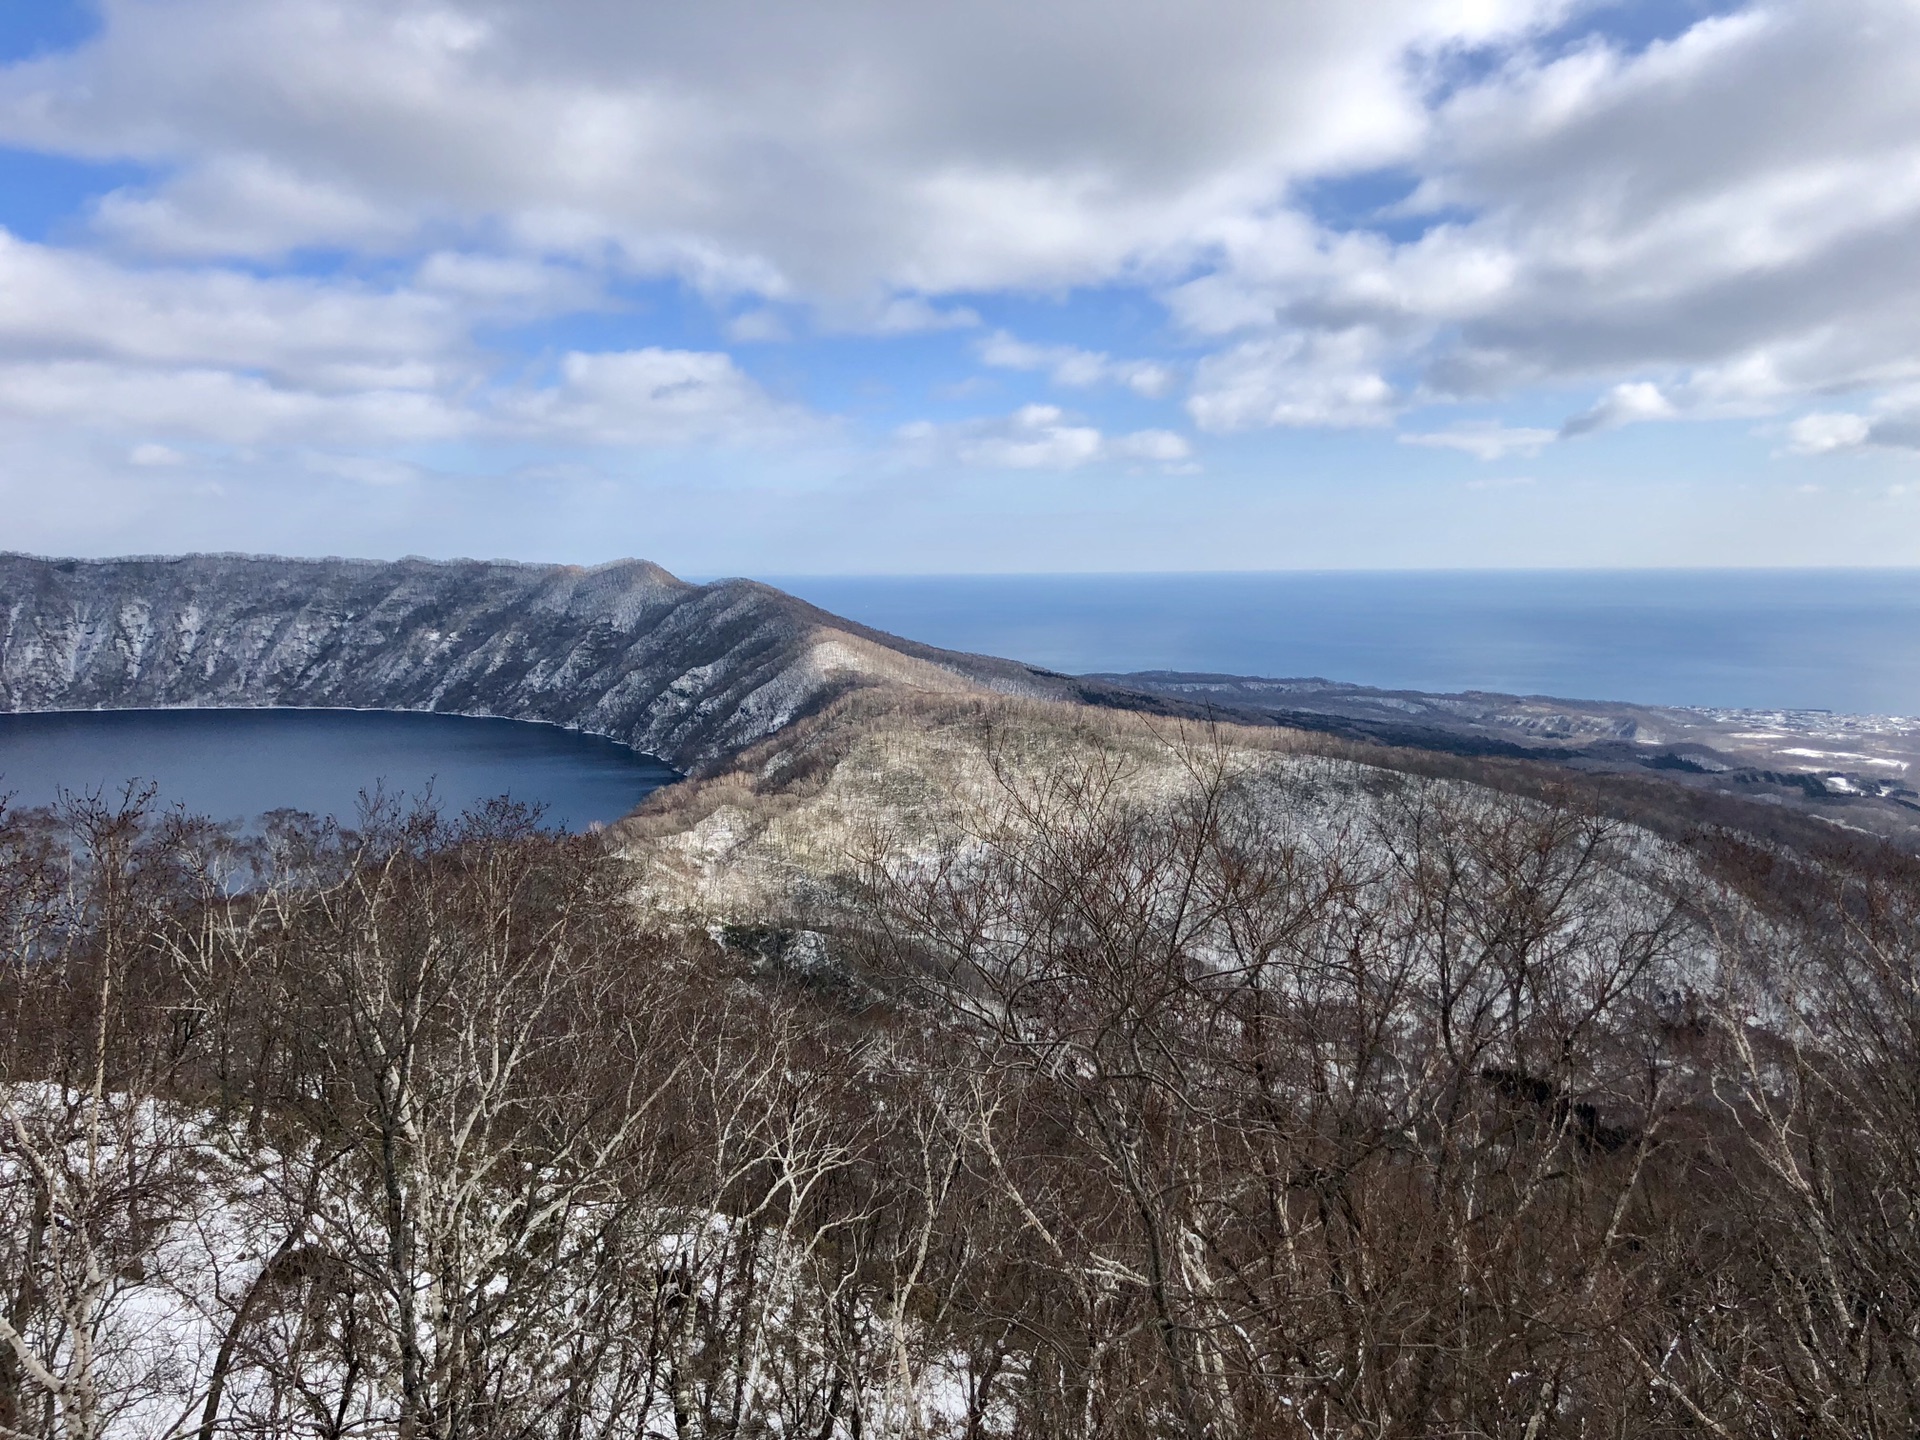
pixel 219 405
pixel 1038 437
pixel 1162 446
pixel 1733 209
pixel 149 454
pixel 1625 404
pixel 1035 438
pixel 752 327
pixel 913 315
pixel 652 396
pixel 1737 209
pixel 508 285
pixel 1824 432
pixel 362 469
pixel 1298 378
pixel 60 303
pixel 931 147
pixel 1819 434
pixel 246 205
pixel 1485 442
pixel 1071 366
pixel 219 355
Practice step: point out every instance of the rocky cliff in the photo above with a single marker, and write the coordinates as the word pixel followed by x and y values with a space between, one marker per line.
pixel 691 673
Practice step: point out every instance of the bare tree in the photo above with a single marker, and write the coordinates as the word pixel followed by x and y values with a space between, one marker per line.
pixel 95 1165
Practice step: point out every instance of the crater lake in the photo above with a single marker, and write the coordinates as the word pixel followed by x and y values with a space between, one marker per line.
pixel 239 764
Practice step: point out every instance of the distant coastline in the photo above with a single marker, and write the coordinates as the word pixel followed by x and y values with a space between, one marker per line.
pixel 1845 641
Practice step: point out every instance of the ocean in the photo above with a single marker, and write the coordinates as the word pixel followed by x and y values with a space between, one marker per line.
pixel 1841 640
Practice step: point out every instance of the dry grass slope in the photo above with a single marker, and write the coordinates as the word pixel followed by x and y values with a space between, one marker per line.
pixel 890 774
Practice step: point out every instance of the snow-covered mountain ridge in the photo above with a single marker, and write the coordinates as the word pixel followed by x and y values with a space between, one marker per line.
pixel 691 673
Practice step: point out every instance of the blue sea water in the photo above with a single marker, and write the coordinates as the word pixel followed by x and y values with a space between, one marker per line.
pixel 1842 640
pixel 238 764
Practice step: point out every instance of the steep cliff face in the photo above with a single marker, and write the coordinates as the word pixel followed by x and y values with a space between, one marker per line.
pixel 691 673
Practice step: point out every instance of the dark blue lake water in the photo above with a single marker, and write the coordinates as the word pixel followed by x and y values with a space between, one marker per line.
pixel 238 764
pixel 1846 640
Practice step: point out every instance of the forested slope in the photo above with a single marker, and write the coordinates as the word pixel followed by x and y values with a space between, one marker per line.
pixel 943 1062
pixel 1125 1082
pixel 691 673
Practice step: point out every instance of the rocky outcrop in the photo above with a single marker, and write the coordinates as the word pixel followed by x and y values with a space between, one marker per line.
pixel 691 673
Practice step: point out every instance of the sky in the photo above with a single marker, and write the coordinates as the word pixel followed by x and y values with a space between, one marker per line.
pixel 904 286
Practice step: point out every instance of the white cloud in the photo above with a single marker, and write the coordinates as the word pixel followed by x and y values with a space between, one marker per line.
pixel 221 356
pixel 1735 210
pixel 1820 433
pixel 1895 426
pixel 841 150
pixel 246 205
pixel 362 469
pixel 649 397
pixel 58 303
pixel 217 405
pixel 1625 404
pixel 506 284
pixel 1485 441
pixel 912 315
pixel 653 396
pixel 1037 437
pixel 754 327
pixel 1071 366
pixel 1327 378
pixel 1163 446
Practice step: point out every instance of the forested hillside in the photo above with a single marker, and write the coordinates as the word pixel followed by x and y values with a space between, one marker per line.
pixel 1117 1082
pixel 691 673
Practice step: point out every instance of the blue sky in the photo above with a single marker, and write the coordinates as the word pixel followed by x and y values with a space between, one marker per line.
pixel 876 288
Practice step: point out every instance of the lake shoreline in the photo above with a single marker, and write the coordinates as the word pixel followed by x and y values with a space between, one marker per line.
pixel 244 761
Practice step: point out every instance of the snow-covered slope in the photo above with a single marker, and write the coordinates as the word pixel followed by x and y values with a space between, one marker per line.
pixel 691 673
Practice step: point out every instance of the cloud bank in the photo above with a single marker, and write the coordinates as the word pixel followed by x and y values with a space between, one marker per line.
pixel 364 225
